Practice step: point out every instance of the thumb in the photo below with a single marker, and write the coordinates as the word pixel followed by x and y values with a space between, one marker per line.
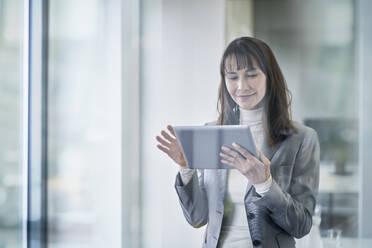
pixel 262 156
pixel 260 153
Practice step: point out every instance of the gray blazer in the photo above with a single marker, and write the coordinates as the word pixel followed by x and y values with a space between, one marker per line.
pixel 282 213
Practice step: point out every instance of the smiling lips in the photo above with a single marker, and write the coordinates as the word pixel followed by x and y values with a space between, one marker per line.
pixel 245 96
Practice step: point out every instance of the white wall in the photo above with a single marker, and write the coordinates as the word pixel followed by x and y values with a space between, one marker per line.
pixel 182 43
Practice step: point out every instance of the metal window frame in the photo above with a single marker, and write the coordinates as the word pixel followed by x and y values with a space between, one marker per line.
pixel 25 124
pixel 364 54
pixel 37 107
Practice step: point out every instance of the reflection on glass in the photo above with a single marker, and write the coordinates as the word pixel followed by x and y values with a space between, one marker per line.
pixel 315 43
pixel 11 36
pixel 84 188
pixel 332 238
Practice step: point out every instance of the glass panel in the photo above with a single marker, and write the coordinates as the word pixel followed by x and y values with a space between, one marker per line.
pixel 314 42
pixel 84 124
pixel 317 57
pixel 181 47
pixel 11 62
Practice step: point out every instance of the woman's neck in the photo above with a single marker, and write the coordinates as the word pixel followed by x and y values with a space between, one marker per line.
pixel 252 116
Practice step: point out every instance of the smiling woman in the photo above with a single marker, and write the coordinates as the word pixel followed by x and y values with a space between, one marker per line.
pixel 248 66
pixel 244 206
pixel 246 86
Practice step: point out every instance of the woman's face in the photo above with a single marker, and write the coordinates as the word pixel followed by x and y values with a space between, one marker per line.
pixel 246 87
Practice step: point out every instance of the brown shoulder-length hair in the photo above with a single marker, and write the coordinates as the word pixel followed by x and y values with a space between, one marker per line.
pixel 277 121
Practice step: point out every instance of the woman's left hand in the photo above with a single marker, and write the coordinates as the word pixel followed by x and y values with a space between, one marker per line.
pixel 255 170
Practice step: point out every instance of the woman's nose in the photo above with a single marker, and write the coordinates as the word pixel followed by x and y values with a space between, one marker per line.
pixel 243 83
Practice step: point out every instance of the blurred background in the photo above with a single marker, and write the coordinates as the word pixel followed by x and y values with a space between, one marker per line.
pixel 85 86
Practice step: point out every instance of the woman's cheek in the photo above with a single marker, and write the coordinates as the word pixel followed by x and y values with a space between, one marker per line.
pixel 231 88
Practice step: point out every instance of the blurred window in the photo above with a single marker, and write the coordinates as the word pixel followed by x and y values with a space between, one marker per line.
pixel 11 79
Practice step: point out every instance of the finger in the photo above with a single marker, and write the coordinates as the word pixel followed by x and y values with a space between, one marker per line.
pixel 246 153
pixel 163 142
pixel 264 159
pixel 228 163
pixel 226 157
pixel 170 128
pixel 243 151
pixel 261 155
pixel 167 136
pixel 163 149
pixel 232 153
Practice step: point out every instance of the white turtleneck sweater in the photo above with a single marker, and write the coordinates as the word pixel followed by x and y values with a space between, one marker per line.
pixel 234 230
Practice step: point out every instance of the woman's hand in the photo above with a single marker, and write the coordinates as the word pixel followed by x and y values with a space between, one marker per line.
pixel 172 148
pixel 252 168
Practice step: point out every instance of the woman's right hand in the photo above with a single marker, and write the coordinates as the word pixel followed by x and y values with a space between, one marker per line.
pixel 171 148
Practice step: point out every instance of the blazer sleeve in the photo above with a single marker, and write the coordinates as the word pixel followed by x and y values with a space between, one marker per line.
pixel 193 199
pixel 293 210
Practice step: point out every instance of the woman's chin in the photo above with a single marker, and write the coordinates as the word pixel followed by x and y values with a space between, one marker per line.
pixel 247 105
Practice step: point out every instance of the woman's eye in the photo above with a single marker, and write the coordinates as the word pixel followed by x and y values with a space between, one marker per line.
pixel 252 75
pixel 233 78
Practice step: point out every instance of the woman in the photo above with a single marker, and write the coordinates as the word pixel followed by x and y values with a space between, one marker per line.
pixel 264 202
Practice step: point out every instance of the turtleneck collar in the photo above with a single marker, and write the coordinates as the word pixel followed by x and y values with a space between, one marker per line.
pixel 251 117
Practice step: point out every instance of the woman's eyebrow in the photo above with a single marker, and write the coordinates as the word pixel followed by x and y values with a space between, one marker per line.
pixel 247 70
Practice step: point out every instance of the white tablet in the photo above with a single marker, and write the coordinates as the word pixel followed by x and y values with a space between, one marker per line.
pixel 201 145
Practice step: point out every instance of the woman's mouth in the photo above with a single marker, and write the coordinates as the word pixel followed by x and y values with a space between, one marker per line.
pixel 246 96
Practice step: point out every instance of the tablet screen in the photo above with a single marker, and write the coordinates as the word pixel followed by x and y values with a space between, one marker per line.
pixel 201 144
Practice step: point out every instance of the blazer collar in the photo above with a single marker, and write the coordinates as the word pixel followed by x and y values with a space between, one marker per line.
pixel 268 150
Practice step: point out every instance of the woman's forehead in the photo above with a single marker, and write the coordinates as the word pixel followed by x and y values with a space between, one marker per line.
pixel 233 63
